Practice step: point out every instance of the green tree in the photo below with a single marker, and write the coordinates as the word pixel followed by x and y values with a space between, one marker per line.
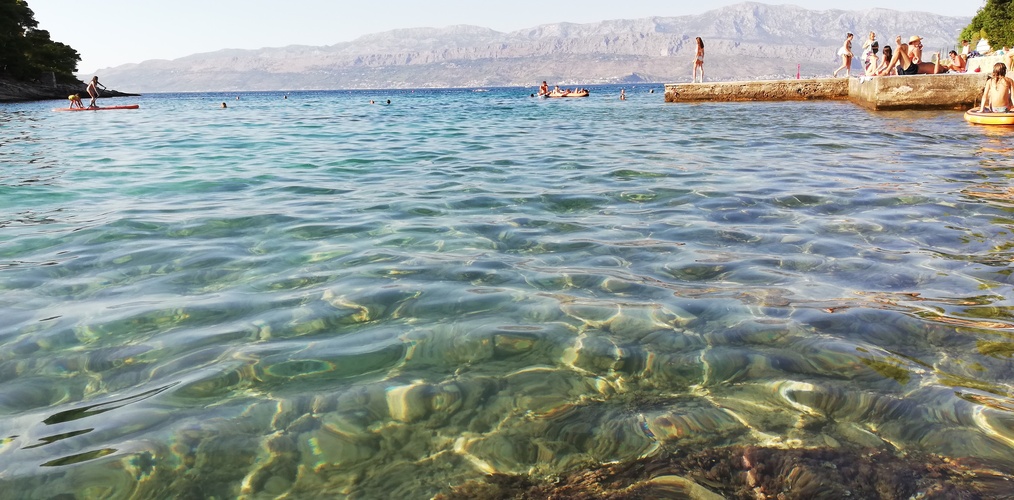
pixel 27 52
pixel 994 22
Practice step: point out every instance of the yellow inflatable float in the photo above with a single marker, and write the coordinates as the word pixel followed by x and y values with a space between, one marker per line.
pixel 974 116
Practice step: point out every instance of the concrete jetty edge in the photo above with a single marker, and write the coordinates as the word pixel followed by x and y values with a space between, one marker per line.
pixel 946 91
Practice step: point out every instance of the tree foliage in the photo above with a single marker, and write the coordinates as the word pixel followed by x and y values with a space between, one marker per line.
pixel 994 22
pixel 27 52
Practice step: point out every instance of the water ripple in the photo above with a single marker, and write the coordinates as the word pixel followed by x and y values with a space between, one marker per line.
pixel 313 295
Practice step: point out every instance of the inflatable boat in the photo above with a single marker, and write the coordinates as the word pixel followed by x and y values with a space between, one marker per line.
pixel 987 118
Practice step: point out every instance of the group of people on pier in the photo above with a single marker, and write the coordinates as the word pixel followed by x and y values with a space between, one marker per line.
pixel 904 59
pixel 907 59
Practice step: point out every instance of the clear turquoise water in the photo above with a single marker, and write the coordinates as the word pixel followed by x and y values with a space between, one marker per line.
pixel 316 296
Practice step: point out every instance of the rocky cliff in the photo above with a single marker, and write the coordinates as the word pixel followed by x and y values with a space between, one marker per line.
pixel 744 41
pixel 13 91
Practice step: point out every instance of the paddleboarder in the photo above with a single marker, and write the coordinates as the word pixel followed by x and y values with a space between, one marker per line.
pixel 93 91
pixel 75 101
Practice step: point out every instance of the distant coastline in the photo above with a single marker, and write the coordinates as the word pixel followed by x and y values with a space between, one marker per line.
pixel 744 42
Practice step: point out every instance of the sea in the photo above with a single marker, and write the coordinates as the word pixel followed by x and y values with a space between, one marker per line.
pixel 390 293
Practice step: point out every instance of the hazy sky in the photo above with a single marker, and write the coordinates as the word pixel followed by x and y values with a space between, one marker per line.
pixel 113 32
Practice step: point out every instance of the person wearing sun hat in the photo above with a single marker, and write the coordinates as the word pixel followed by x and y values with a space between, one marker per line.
pixel 915 49
pixel 909 55
pixel 901 60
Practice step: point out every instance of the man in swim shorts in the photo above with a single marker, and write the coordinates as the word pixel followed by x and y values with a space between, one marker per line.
pixel 911 69
pixel 902 60
pixel 907 58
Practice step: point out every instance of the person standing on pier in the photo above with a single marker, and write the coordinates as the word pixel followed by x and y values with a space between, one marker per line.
pixel 846 56
pixel 699 60
pixel 871 60
pixel 868 45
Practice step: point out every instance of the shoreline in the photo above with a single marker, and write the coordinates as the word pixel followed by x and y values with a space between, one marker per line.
pixel 15 91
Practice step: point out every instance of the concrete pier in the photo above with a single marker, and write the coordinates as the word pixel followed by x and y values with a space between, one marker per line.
pixel 947 91
pixel 764 90
pixel 957 91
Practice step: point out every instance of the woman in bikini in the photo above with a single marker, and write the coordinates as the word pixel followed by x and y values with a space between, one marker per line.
pixel 846 56
pixel 699 60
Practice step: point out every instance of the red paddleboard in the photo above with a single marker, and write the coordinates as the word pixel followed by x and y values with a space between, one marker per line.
pixel 100 108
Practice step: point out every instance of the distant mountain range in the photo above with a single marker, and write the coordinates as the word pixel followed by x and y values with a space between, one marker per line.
pixel 747 41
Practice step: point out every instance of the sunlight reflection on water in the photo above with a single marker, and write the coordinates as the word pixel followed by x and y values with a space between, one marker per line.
pixel 318 296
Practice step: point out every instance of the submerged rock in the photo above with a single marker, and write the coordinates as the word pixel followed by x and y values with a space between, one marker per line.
pixel 753 472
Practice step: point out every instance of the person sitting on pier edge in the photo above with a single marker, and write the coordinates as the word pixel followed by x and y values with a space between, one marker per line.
pixel 884 66
pixel 915 48
pixel 998 91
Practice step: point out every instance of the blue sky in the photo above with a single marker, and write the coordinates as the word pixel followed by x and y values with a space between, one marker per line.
pixel 113 32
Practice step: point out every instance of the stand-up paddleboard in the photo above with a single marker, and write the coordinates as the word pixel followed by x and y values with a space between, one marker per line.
pixel 557 95
pixel 974 116
pixel 101 108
